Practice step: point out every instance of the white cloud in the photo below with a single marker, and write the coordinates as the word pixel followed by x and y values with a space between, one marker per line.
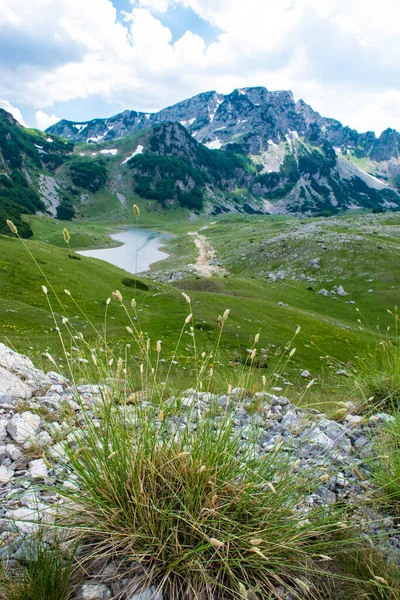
pixel 43 120
pixel 16 113
pixel 341 56
pixel 159 6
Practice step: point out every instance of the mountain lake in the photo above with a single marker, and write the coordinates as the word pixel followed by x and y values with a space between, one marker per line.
pixel 140 249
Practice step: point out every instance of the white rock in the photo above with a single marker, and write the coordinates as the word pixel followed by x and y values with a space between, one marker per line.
pixel 24 519
pixel 13 452
pixel 340 291
pixel 11 387
pixel 148 594
pixel 38 469
pixel 97 591
pixel 5 475
pixel 44 439
pixel 20 371
pixel 24 427
pixel 306 374
pixel 353 419
pixel 3 429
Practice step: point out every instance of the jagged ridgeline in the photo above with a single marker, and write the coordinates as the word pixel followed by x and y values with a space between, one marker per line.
pixel 251 151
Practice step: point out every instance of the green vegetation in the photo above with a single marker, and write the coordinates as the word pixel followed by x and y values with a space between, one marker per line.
pixel 16 198
pixel 20 148
pixel 45 573
pixel 198 510
pixel 200 514
pixel 386 469
pixel 88 173
pixel 377 371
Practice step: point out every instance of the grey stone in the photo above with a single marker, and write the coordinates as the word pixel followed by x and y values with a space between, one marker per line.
pixel 23 428
pixel 94 591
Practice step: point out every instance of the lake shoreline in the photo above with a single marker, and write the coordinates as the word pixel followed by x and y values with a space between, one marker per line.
pixel 142 249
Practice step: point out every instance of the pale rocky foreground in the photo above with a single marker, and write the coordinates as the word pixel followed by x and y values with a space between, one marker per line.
pixel 337 452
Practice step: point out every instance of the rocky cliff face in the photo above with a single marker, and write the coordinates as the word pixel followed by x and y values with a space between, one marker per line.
pixel 252 117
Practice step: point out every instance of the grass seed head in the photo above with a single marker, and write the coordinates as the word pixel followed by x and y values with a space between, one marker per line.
pixel 133 303
pixel 186 297
pixel 117 295
pixel 12 227
pixel 257 337
pixel 66 235
pixel 216 543
pixel 136 210
pixel 226 314
pixel 44 288
pixel 188 319
pixel 67 292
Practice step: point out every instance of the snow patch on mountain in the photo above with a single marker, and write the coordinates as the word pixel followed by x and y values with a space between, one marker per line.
pixel 139 150
pixel 214 145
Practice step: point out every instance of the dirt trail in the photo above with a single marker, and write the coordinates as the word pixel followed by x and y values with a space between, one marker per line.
pixel 206 255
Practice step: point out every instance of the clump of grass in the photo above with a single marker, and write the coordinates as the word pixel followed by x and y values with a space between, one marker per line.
pixel 369 577
pixel 46 573
pixel 196 513
pixel 377 374
pixel 385 467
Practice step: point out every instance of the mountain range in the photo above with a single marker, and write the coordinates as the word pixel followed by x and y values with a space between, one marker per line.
pixel 252 151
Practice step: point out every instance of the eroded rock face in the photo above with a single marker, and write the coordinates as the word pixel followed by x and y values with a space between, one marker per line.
pixel 18 377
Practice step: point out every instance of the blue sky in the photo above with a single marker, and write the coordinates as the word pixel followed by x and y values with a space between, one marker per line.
pixel 81 59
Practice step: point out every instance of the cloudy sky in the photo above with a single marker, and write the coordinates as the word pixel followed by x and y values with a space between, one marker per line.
pixel 80 59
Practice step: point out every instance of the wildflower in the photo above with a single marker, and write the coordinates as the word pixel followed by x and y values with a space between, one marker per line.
pixel 66 235
pixel 136 210
pixel 117 295
pixel 12 227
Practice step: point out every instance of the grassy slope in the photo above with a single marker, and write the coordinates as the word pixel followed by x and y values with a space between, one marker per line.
pixel 329 326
